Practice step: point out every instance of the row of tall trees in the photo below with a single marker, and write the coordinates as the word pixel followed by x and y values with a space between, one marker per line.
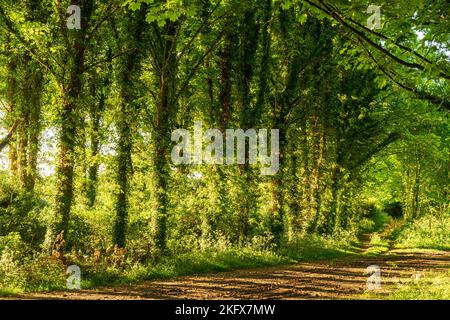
pixel 114 90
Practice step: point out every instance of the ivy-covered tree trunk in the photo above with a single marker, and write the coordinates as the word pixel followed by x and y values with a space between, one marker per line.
pixel 165 62
pixel 23 97
pixel 293 197
pixel 32 91
pixel 129 71
pixel 282 102
pixel 70 91
pixel 11 99
pixel 160 165
pixel 221 118
pixel 92 174
pixel 334 218
pixel 99 90
pixel 317 197
pixel 277 214
pixel 124 146
pixel 161 180
pixel 66 157
pixel 249 34
pixel 22 143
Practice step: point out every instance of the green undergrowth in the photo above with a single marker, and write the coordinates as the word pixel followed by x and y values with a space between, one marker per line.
pixel 431 286
pixel 320 248
pixel 187 264
pixel 378 245
pixel 305 249
pixel 123 270
pixel 379 221
pixel 428 232
pixel 122 267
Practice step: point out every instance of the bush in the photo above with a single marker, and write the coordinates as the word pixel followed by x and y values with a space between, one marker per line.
pixel 20 270
pixel 20 212
pixel 434 286
pixel 12 242
pixel 12 276
pixel 430 232
pixel 313 247
pixel 44 273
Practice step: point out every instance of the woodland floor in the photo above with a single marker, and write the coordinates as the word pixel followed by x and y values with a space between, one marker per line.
pixel 338 279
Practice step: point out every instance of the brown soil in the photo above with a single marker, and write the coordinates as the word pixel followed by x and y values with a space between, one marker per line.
pixel 338 279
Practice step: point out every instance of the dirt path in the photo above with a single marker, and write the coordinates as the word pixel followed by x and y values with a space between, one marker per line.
pixel 339 279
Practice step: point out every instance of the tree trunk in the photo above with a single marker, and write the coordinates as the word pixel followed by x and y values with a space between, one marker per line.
pixel 317 177
pixel 165 108
pixel 247 56
pixel 124 147
pixel 11 98
pixel 92 178
pixel 129 73
pixel 31 128
pixel 68 117
pixel 66 161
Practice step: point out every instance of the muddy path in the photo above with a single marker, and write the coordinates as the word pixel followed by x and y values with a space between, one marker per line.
pixel 338 279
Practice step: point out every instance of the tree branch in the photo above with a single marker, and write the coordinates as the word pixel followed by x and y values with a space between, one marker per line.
pixel 10 27
pixel 379 48
pixel 5 141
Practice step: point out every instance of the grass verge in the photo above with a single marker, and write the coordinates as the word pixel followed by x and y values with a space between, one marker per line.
pixel 432 286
